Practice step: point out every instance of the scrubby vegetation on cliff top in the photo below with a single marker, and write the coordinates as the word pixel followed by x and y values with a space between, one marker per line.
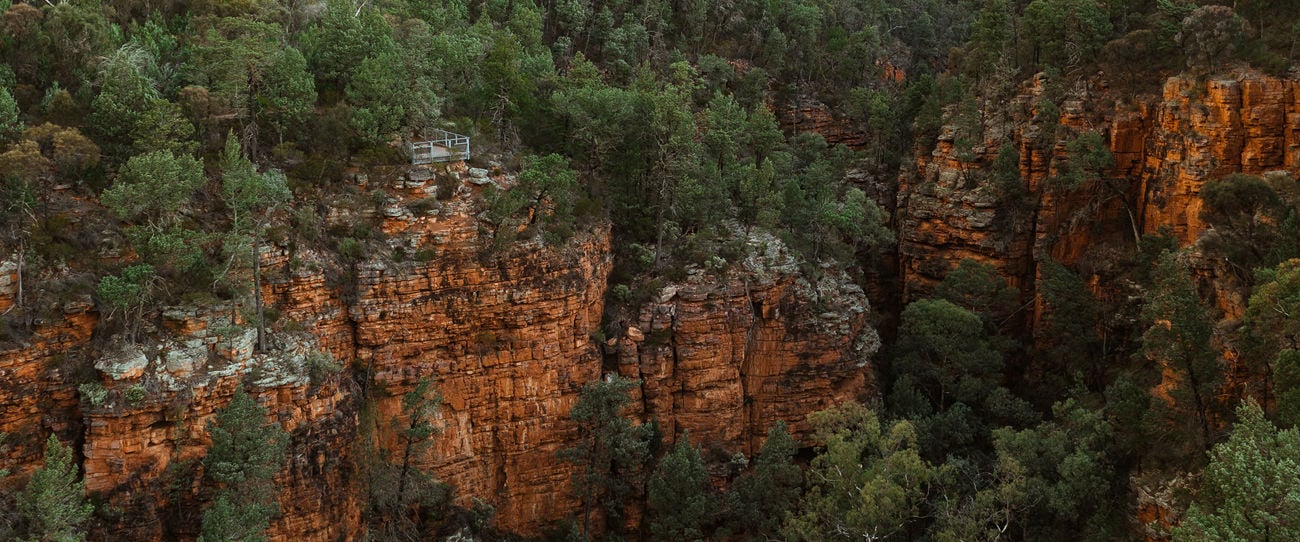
pixel 150 150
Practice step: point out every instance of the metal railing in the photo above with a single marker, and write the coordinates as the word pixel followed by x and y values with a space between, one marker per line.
pixel 443 147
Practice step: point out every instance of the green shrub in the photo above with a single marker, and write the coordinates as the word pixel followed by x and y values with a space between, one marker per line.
pixel 135 395
pixel 320 366
pixel 425 255
pixel 621 293
pixel 93 393
pixel 377 155
pixel 422 207
pixel 351 249
pixel 446 190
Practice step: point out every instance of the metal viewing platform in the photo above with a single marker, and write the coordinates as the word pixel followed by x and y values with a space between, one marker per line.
pixel 444 147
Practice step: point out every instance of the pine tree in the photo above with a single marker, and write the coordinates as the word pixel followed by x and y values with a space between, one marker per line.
pixel 53 505
pixel 759 501
pixel 419 406
pixel 611 450
pixel 679 498
pixel 10 124
pixel 1179 338
pixel 252 197
pixel 1249 491
pixel 246 454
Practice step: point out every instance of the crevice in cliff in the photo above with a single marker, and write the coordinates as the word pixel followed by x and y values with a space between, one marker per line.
pixel 746 365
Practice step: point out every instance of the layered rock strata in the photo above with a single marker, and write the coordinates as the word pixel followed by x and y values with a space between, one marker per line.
pixel 726 357
pixel 1165 150
pixel 505 337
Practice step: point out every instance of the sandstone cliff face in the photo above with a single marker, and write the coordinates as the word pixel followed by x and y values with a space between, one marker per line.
pixel 36 394
pixel 1165 149
pixel 505 338
pixel 1206 130
pixel 146 438
pixel 809 115
pixel 727 357
pixel 507 342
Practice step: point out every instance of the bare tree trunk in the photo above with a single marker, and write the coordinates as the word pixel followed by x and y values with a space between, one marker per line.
pixel 22 264
pixel 406 469
pixel 257 293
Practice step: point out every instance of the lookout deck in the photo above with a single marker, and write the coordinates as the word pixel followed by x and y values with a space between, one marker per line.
pixel 443 147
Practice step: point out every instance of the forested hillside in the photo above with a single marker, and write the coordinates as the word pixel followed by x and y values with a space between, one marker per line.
pixel 941 270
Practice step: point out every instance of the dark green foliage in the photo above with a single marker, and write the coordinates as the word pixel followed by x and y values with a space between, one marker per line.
pixel 826 219
pixel 161 126
pixel 1065 33
pixel 979 288
pixel 948 378
pixel 10 125
pixel 53 505
pixel 230 58
pixel 246 454
pixel 338 42
pixel 974 503
pixel 289 93
pixel 128 290
pixel 128 294
pixel 1179 339
pixel 760 500
pixel 1245 212
pixel 419 407
pixel 1004 173
pixel 990 39
pixel 1070 327
pixel 251 197
pixel 1286 387
pixel 1068 469
pixel 1271 339
pixel 611 452
pixel 72 36
pixel 379 106
pixel 245 448
pixel 226 521
pixel 679 497
pixel 869 481
pixel 545 197
pixel 1086 160
pixel 1210 35
pixel 152 188
pixel 124 88
pixel 403 498
pixel 1248 492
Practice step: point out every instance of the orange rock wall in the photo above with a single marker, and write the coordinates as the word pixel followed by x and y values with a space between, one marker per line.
pixel 726 358
pixel 507 340
pixel 809 115
pixel 36 398
pixel 146 460
pixel 1165 149
pixel 505 337
pixel 1206 130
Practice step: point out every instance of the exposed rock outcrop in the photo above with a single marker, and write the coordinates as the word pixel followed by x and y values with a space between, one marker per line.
pixel 506 338
pixel 809 115
pixel 1165 149
pixel 146 435
pixel 726 357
